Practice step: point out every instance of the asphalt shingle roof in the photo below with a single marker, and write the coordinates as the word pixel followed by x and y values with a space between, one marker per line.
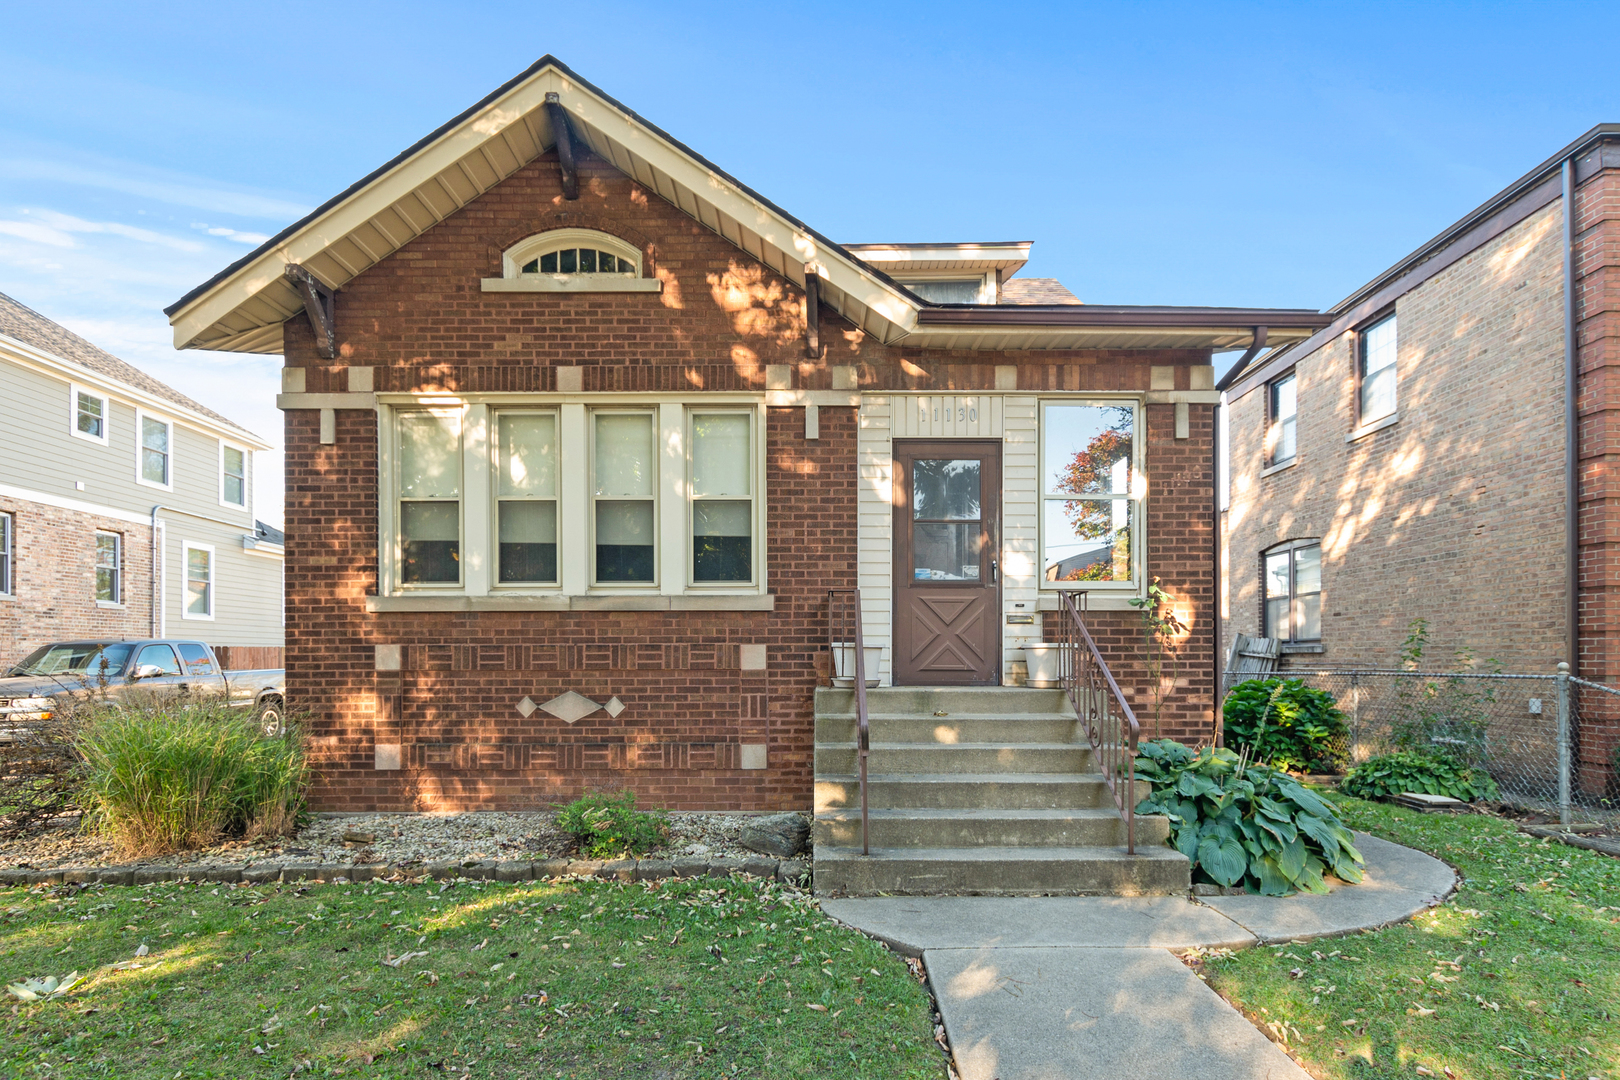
pixel 1036 290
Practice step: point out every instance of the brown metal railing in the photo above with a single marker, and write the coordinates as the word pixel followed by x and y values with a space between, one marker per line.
pixel 1109 723
pixel 842 613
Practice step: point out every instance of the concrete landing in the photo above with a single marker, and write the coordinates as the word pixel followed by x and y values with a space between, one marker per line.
pixel 1125 1014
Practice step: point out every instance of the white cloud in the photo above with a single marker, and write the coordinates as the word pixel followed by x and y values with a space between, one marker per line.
pixel 53 228
pixel 232 234
pixel 39 234
pixel 175 190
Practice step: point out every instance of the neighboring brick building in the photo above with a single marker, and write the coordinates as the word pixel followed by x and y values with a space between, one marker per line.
pixel 1410 459
pixel 100 458
pixel 589 429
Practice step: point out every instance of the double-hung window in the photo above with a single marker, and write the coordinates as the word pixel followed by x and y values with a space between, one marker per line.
pixel 1281 440
pixel 6 560
pixel 624 488
pixel 1088 493
pixel 722 488
pixel 89 414
pixel 155 451
pixel 109 568
pixel 526 497
pixel 429 490
pixel 199 600
pixel 1293 591
pixel 1376 370
pixel 233 461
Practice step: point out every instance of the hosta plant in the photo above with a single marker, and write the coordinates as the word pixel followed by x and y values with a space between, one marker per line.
pixel 1245 824
pixel 1409 770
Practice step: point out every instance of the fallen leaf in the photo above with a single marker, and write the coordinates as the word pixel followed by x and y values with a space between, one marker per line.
pixel 1421 1071
pixel 818 1008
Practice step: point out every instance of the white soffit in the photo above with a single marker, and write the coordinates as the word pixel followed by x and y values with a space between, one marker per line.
pixel 242 311
pixel 979 338
pixel 1006 258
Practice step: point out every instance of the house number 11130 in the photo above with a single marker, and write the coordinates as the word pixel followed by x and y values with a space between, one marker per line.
pixel 970 413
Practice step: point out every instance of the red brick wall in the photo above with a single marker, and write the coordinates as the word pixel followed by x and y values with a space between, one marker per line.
pixel 54 579
pixel 421 322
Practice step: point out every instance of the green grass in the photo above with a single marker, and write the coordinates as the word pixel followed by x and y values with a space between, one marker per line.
pixel 1521 969
pixel 672 979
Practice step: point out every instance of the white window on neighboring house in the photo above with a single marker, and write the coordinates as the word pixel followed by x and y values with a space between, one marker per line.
pixel 526 497
pixel 155 452
pixel 89 414
pixel 109 568
pixel 428 483
pixel 624 489
pixel 1376 371
pixel 6 555
pixel 1292 577
pixel 722 489
pixel 199 599
pixel 1281 433
pixel 233 467
pixel 1090 519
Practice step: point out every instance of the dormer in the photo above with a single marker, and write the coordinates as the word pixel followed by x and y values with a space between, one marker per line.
pixel 948 273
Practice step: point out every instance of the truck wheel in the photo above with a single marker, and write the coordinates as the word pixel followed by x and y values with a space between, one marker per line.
pixel 272 719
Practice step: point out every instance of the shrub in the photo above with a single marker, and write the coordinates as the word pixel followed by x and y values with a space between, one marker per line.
pixel 1245 824
pixel 605 825
pixel 1408 770
pixel 167 778
pixel 1286 724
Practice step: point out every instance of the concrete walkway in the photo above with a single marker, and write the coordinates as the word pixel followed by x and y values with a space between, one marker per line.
pixel 1044 988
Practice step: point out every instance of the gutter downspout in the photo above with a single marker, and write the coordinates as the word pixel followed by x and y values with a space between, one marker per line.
pixel 1572 450
pixel 1220 578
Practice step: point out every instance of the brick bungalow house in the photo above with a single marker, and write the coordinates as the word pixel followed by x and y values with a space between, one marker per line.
pixel 580 431
pixel 1427 453
pixel 103 468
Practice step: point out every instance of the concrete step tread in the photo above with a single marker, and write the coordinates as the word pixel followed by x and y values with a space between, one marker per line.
pixel 1011 718
pixel 1012 855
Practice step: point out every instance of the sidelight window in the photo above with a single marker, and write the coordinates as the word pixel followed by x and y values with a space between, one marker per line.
pixel 722 486
pixel 429 486
pixel 624 470
pixel 526 497
pixel 1088 493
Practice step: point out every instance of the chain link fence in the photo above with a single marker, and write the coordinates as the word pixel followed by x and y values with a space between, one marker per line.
pixel 1551 742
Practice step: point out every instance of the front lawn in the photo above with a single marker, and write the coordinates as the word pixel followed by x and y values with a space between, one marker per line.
pixel 674 979
pixel 1517 976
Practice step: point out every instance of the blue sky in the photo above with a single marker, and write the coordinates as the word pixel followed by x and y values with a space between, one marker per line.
pixel 1246 154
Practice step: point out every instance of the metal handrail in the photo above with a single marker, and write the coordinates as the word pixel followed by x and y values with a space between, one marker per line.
pixel 1099 704
pixel 857 646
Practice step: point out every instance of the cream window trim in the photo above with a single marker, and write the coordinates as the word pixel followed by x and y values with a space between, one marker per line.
pixel 493 522
pixel 672 589
pixel 533 248
pixel 660 455
pixel 1137 497
pixel 74 392
pixel 571 283
pixel 756 517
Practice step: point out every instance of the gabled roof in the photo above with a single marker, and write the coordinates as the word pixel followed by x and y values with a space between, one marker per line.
pixel 241 309
pixel 28 327
pixel 1036 290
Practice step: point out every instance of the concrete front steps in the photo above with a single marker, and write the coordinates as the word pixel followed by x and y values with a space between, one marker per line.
pixel 980 791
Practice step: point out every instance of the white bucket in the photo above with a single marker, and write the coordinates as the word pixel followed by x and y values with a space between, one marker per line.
pixel 843 659
pixel 1045 664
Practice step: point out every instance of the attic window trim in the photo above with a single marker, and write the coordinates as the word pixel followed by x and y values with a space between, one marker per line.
pixel 531 250
pixel 989 282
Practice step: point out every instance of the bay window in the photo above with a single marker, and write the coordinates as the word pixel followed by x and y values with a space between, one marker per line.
pixel 526 498
pixel 624 469
pixel 429 487
pixel 722 498
pixel 1089 494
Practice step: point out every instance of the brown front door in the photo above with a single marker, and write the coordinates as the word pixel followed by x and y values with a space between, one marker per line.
pixel 947 573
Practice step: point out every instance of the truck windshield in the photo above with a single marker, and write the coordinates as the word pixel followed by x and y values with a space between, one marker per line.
pixel 89 659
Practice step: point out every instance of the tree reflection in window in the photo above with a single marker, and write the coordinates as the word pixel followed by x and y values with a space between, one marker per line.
pixel 1087 512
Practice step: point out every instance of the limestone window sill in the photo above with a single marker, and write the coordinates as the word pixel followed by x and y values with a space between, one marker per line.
pixel 1297 648
pixel 1377 425
pixel 109 604
pixel 1279 467
pixel 1120 601
pixel 573 283
pixel 378 604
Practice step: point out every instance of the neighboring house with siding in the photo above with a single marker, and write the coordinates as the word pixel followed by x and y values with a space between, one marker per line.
pixel 1412 459
pixel 581 430
pixel 103 466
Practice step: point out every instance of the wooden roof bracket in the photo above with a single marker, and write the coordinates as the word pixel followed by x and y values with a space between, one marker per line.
pixel 565 145
pixel 812 314
pixel 319 305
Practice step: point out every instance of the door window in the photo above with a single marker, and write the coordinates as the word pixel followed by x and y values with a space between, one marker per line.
pixel 947 535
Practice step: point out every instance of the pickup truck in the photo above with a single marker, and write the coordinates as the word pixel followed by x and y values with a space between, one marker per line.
pixel 84 669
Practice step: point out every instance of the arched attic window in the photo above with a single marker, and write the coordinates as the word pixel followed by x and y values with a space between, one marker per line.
pixel 571 260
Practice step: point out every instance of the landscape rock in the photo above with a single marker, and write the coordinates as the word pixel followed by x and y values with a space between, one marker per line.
pixel 782 835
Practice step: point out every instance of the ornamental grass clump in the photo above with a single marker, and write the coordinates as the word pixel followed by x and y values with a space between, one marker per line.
pixel 1245 824
pixel 606 825
pixel 164 779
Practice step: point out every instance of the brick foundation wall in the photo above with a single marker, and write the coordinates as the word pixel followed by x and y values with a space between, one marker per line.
pixel 54 579
pixel 693 715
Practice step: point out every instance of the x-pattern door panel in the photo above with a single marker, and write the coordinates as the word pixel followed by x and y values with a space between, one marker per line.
pixel 947 562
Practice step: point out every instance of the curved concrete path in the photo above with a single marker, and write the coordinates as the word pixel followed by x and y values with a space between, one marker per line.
pixel 1043 988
